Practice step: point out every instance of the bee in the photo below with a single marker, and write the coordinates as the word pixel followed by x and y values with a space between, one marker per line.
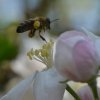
pixel 32 25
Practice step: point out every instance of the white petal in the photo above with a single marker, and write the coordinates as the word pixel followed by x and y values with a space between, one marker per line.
pixel 18 92
pixel 97 45
pixel 47 86
pixel 90 34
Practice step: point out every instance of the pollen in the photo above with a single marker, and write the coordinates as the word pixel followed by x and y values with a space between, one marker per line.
pixel 36 24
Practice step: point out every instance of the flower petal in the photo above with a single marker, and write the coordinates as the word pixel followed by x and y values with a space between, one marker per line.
pixel 18 92
pixel 90 34
pixel 47 86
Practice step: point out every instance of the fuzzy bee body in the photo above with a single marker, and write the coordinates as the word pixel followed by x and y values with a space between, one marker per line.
pixel 25 26
pixel 38 23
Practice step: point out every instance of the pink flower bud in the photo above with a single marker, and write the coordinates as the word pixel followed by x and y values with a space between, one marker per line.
pixel 76 56
pixel 85 93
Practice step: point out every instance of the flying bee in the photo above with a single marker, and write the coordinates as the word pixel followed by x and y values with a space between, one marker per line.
pixel 31 25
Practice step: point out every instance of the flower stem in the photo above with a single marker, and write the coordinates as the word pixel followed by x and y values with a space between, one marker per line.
pixel 72 92
pixel 93 86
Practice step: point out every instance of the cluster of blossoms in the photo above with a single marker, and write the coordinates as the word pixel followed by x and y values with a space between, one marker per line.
pixel 77 58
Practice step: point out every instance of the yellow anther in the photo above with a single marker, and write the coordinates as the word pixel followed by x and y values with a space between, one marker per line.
pixel 52 42
pixel 31 52
pixel 36 52
pixel 39 50
pixel 44 53
pixel 36 24
pixel 49 45
pixel 44 46
pixel 29 55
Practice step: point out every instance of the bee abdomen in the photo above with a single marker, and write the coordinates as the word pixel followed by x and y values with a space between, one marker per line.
pixel 25 26
pixel 20 29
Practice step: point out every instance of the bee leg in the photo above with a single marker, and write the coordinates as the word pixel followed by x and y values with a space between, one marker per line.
pixel 39 31
pixel 31 33
pixel 42 38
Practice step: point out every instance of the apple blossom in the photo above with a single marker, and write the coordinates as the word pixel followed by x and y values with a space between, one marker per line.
pixel 76 56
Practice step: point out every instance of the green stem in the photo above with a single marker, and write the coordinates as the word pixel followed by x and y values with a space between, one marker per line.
pixel 72 92
pixel 93 86
pixel 98 68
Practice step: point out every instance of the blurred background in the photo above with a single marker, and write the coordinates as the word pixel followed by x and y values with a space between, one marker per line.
pixel 72 14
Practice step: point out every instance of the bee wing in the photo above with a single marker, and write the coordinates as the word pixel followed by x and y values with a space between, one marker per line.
pixel 25 26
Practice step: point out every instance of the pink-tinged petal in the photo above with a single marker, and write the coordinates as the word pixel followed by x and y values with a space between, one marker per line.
pixel 85 56
pixel 70 74
pixel 85 93
pixel 69 34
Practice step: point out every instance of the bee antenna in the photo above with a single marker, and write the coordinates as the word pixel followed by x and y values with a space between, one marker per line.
pixel 54 20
